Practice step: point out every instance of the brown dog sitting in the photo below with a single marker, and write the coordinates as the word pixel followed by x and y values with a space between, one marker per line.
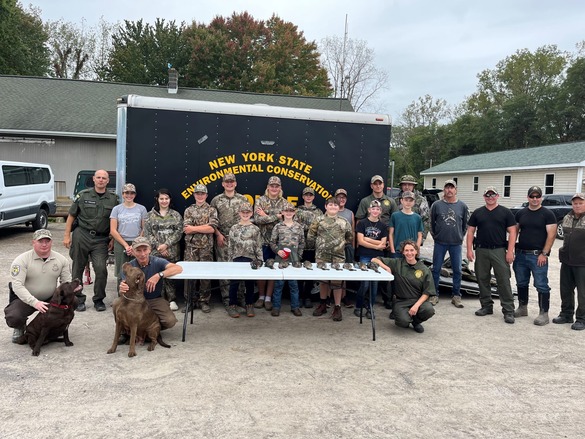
pixel 133 315
pixel 53 325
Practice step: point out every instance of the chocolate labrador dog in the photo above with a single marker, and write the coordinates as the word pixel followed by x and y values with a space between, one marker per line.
pixel 133 315
pixel 53 325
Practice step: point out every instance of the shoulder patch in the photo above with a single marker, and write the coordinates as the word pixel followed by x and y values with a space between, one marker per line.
pixel 15 270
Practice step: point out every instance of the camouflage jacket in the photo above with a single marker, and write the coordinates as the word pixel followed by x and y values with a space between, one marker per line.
pixel 292 237
pixel 167 230
pixel 421 206
pixel 306 216
pixel 227 211
pixel 244 241
pixel 266 223
pixel 200 216
pixel 329 236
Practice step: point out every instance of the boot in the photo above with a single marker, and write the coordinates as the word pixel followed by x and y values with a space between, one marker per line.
pixel 521 311
pixel 542 318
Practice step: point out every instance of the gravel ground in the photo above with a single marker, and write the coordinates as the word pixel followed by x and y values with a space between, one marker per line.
pixel 266 377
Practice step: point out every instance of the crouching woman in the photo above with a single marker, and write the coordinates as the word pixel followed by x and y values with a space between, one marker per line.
pixel 413 287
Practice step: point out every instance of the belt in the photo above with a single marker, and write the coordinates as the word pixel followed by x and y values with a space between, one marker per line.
pixel 529 252
pixel 94 233
pixel 490 247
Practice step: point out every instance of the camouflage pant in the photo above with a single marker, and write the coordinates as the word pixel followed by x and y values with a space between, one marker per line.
pixel 204 255
pixel 221 255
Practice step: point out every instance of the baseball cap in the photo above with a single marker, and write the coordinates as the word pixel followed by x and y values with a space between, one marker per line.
pixel 42 233
pixel 407 194
pixel 377 178
pixel 450 182
pixel 491 189
pixel 229 177
pixel 308 190
pixel 408 179
pixel 289 206
pixel 580 195
pixel 201 188
pixel 245 207
pixel 274 180
pixel 375 203
pixel 534 189
pixel 141 241
pixel 340 191
pixel 128 187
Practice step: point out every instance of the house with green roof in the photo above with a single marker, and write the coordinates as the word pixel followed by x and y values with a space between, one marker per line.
pixel 555 168
pixel 71 124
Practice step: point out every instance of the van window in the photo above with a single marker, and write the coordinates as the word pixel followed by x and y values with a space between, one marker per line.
pixel 23 175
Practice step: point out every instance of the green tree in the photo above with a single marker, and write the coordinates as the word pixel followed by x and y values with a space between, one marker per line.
pixel 71 49
pixel 22 39
pixel 241 53
pixel 570 105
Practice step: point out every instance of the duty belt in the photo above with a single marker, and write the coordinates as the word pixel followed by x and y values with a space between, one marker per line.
pixel 94 233
pixel 529 252
pixel 490 247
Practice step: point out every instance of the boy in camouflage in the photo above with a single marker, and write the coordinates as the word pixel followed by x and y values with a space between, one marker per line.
pixel 330 234
pixel 287 234
pixel 245 245
pixel 199 224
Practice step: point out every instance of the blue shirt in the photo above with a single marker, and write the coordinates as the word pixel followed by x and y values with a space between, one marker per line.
pixel 155 265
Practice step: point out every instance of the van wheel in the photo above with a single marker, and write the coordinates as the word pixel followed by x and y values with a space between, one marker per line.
pixel 41 221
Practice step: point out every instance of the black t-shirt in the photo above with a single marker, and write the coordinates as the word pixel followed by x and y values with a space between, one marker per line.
pixel 374 230
pixel 532 225
pixel 491 225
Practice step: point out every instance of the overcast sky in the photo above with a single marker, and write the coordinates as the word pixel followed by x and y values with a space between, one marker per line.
pixel 434 47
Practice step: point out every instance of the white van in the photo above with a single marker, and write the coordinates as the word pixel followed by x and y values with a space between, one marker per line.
pixel 27 194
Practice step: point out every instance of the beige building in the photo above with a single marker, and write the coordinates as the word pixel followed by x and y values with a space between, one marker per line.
pixel 555 168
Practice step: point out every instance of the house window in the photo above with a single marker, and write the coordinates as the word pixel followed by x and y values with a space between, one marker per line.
pixel 434 183
pixel 475 184
pixel 507 184
pixel 549 183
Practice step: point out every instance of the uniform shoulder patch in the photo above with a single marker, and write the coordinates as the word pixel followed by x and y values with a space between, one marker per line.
pixel 15 270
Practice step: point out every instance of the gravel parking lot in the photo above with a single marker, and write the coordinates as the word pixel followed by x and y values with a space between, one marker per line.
pixel 267 377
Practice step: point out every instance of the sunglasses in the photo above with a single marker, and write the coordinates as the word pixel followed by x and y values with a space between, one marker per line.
pixel 535 197
pixel 492 195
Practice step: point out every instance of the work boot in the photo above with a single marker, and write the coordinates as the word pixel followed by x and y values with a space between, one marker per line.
pixel 321 309
pixel 275 312
pixel 434 300
pixel 509 318
pixel 456 301
pixel 484 311
pixel 268 305
pixel 521 311
pixel 233 312
pixel 205 307
pixel 562 319
pixel 336 315
pixel 542 319
pixel 80 307
pixel 99 305
pixel 17 333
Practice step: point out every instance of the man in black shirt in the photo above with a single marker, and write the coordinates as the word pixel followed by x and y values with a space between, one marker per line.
pixel 537 228
pixel 491 222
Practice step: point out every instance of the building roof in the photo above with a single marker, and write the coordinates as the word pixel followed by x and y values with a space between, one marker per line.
pixel 52 106
pixel 560 155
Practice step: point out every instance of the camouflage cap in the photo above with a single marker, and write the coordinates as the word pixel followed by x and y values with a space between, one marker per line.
pixel 289 207
pixel 229 177
pixel 141 241
pixel 274 180
pixel 245 207
pixel 580 195
pixel 534 189
pixel 200 188
pixel 42 233
pixel 450 182
pixel 128 187
pixel 376 178
pixel 491 189
pixel 407 194
pixel 308 190
pixel 340 192
pixel 375 203
pixel 408 179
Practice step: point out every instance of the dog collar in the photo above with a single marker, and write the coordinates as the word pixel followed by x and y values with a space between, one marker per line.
pixel 131 299
pixel 56 305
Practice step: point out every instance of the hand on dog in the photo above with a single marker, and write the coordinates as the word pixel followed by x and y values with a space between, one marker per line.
pixel 41 306
pixel 123 288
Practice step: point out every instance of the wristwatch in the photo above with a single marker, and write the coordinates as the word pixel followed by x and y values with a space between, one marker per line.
pixel 547 254
pixel 161 274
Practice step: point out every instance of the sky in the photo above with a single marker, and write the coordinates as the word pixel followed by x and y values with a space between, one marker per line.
pixel 434 47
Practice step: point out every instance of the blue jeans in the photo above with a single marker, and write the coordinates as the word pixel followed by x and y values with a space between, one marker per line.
pixel 439 252
pixel 364 287
pixel 524 265
pixel 293 286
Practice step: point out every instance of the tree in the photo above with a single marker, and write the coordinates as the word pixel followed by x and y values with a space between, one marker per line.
pixel 241 53
pixel 22 39
pixel 71 48
pixel 352 71
pixel 142 53
pixel 570 105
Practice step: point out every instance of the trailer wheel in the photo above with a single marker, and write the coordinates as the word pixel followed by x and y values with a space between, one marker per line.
pixel 41 221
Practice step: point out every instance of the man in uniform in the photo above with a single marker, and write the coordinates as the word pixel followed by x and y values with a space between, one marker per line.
pixel 199 225
pixel 537 230
pixel 421 206
pixel 492 222
pixel 91 210
pixel 226 205
pixel 34 277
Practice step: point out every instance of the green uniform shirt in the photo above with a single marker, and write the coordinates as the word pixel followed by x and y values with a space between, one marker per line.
pixel 92 211
pixel 412 281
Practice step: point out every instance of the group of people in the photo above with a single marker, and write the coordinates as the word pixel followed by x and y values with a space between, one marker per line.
pixel 386 231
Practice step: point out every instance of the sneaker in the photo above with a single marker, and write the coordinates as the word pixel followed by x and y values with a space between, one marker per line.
pixel 17 333
pixel 205 307
pixel 509 318
pixel 80 307
pixel 562 319
pixel 456 301
pixel 250 310
pixel 233 312
pixel 336 315
pixel 99 305
pixel 542 319
pixel 434 300
pixel 259 304
pixel 296 312
pixel 357 313
pixel 368 314
pixel 521 311
pixel 275 312
pixel 484 311
pixel 173 305
pixel 243 309
pixel 308 303
pixel 578 326
pixel 321 309
pixel 418 328
pixel 268 306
